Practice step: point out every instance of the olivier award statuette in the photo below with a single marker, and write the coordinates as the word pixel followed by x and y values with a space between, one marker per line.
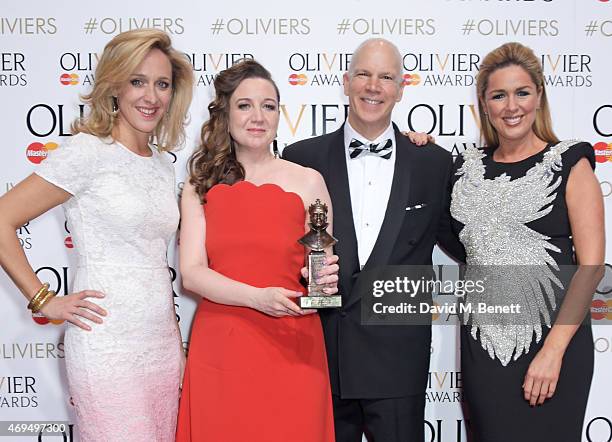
pixel 317 240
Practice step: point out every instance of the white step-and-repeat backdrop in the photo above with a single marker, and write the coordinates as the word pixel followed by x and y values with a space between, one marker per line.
pixel 48 53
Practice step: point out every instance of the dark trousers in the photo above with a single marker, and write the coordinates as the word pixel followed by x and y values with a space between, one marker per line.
pixel 382 420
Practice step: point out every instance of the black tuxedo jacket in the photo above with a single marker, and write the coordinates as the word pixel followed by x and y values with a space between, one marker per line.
pixel 381 361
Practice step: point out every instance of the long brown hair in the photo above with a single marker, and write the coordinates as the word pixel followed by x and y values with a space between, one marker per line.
pixel 120 58
pixel 214 161
pixel 513 54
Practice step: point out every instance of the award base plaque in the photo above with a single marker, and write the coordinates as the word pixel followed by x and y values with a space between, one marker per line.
pixel 316 297
pixel 317 240
pixel 327 301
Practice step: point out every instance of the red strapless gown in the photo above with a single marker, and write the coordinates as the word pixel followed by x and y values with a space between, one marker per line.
pixel 251 377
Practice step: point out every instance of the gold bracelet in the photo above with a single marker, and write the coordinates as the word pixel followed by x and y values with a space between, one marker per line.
pixel 39 295
pixel 50 294
pixel 35 307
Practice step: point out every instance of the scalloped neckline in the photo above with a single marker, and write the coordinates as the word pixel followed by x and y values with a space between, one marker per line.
pixel 261 186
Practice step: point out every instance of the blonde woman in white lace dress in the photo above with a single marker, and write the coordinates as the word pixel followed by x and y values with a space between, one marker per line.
pixel 124 357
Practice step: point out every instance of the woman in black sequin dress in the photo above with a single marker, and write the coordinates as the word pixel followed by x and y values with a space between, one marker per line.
pixel 527 200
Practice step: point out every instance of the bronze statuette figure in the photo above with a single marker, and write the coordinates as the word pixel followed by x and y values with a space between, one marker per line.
pixel 317 240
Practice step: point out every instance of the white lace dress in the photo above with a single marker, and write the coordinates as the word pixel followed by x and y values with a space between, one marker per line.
pixel 124 374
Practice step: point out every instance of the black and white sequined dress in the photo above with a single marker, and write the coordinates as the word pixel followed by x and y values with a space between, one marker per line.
pixel 516 214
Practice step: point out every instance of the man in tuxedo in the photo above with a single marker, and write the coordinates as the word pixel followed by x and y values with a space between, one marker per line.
pixel 390 204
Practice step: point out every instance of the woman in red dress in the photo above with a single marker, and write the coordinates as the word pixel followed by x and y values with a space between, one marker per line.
pixel 257 369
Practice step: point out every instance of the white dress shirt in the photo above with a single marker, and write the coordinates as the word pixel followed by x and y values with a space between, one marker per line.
pixel 370 178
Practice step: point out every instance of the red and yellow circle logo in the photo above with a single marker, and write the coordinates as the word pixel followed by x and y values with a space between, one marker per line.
pixel 298 79
pixel 36 152
pixel 41 320
pixel 69 79
pixel 411 79
pixel 601 310
pixel 603 152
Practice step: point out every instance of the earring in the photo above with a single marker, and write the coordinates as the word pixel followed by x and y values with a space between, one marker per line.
pixel 275 149
pixel 115 110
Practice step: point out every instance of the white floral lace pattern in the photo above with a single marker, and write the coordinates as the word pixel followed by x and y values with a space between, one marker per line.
pixel 124 374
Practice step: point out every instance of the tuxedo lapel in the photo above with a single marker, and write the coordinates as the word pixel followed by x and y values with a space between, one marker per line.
pixel 344 226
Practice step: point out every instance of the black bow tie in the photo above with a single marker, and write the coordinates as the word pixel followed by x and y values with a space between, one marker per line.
pixel 382 150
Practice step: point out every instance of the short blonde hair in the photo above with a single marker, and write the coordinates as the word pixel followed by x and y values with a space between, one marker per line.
pixel 513 54
pixel 120 58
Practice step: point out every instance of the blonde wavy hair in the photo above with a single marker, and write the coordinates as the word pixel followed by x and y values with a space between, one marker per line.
pixel 120 58
pixel 513 54
pixel 214 160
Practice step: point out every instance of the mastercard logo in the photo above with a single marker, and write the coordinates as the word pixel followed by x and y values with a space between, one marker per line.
pixel 69 79
pixel 298 79
pixel 603 152
pixel 411 79
pixel 601 309
pixel 41 320
pixel 36 152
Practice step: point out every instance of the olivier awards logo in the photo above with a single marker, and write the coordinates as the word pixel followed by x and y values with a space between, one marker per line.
pixel 84 63
pixel 12 69
pixel 318 68
pixel 44 119
pixel 444 387
pixel 567 70
pixel 18 392
pixel 310 120
pixel 444 69
pixel 458 121
pixel 206 66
